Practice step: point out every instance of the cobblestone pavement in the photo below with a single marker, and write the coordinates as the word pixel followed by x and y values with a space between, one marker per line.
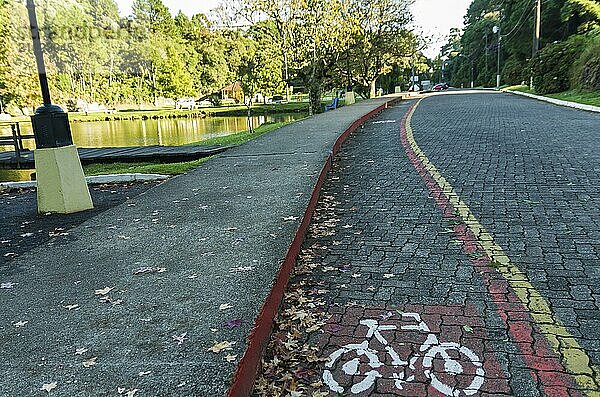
pixel 457 257
pixel 157 296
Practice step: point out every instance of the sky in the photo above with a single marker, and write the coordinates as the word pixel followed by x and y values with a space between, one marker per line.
pixel 434 18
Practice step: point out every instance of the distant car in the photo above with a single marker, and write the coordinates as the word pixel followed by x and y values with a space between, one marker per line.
pixel 278 99
pixel 186 103
pixel 440 87
pixel 204 104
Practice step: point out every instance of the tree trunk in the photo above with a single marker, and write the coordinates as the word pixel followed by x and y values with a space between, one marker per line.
pixel 373 92
pixel 249 105
pixel 314 86
pixel 314 98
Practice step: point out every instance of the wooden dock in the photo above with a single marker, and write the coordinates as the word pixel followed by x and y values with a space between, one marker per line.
pixel 162 154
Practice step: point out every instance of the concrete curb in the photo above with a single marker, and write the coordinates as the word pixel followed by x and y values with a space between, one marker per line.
pixel 93 180
pixel 574 105
pixel 247 370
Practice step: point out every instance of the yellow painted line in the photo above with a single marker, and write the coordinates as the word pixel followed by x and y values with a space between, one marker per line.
pixel 574 358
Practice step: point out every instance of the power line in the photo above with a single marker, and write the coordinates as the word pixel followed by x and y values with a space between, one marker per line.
pixel 520 22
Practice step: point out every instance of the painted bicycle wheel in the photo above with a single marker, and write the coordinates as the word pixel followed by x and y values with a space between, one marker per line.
pixel 452 367
pixel 352 367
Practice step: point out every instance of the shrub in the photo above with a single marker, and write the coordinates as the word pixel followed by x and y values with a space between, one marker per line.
pixel 515 72
pixel 586 70
pixel 552 65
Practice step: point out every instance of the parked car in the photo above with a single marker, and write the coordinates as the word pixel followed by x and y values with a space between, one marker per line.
pixel 186 103
pixel 440 87
pixel 204 104
pixel 278 99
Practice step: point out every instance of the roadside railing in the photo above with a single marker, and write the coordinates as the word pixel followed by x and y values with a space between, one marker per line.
pixel 15 139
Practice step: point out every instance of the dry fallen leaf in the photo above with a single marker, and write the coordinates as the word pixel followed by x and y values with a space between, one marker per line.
pixel 147 270
pixel 103 291
pixel 235 323
pixel 219 346
pixel 90 362
pixel 180 338
pixel 241 269
pixel 49 386
pixel 230 357
pixel 132 392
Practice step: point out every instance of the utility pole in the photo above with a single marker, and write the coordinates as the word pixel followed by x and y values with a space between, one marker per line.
pixel 472 74
pixel 497 30
pixel 537 29
pixel 486 58
pixel 536 35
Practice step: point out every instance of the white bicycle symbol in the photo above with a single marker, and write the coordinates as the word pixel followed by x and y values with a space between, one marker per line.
pixel 430 349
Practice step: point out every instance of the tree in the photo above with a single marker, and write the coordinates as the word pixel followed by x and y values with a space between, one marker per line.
pixel 261 68
pixel 18 73
pixel 560 20
pixel 380 39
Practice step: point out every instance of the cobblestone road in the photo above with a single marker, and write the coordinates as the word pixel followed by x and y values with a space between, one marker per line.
pixel 457 257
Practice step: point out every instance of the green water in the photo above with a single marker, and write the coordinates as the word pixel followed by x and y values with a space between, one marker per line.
pixel 167 132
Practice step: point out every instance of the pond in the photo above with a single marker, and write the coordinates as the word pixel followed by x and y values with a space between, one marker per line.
pixel 167 132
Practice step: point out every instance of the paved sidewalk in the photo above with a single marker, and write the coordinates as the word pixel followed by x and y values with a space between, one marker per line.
pixel 457 257
pixel 133 301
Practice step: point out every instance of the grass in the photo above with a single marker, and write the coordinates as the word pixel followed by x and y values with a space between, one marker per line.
pixel 583 97
pixel 242 137
pixel 586 98
pixel 183 167
pixel 143 168
pixel 520 88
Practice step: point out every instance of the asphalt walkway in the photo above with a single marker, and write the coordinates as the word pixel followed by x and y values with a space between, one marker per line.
pixel 156 297
pixel 455 251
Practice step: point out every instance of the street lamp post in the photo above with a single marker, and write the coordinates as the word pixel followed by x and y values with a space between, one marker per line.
pixel 61 185
pixel 497 30
pixel 472 74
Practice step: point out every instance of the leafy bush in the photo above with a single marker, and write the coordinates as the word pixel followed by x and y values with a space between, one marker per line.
pixel 515 71
pixel 586 70
pixel 552 65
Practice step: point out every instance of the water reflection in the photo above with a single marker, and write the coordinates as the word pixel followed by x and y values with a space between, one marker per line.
pixel 168 132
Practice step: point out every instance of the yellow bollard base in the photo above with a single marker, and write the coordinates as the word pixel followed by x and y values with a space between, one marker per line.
pixel 61 185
